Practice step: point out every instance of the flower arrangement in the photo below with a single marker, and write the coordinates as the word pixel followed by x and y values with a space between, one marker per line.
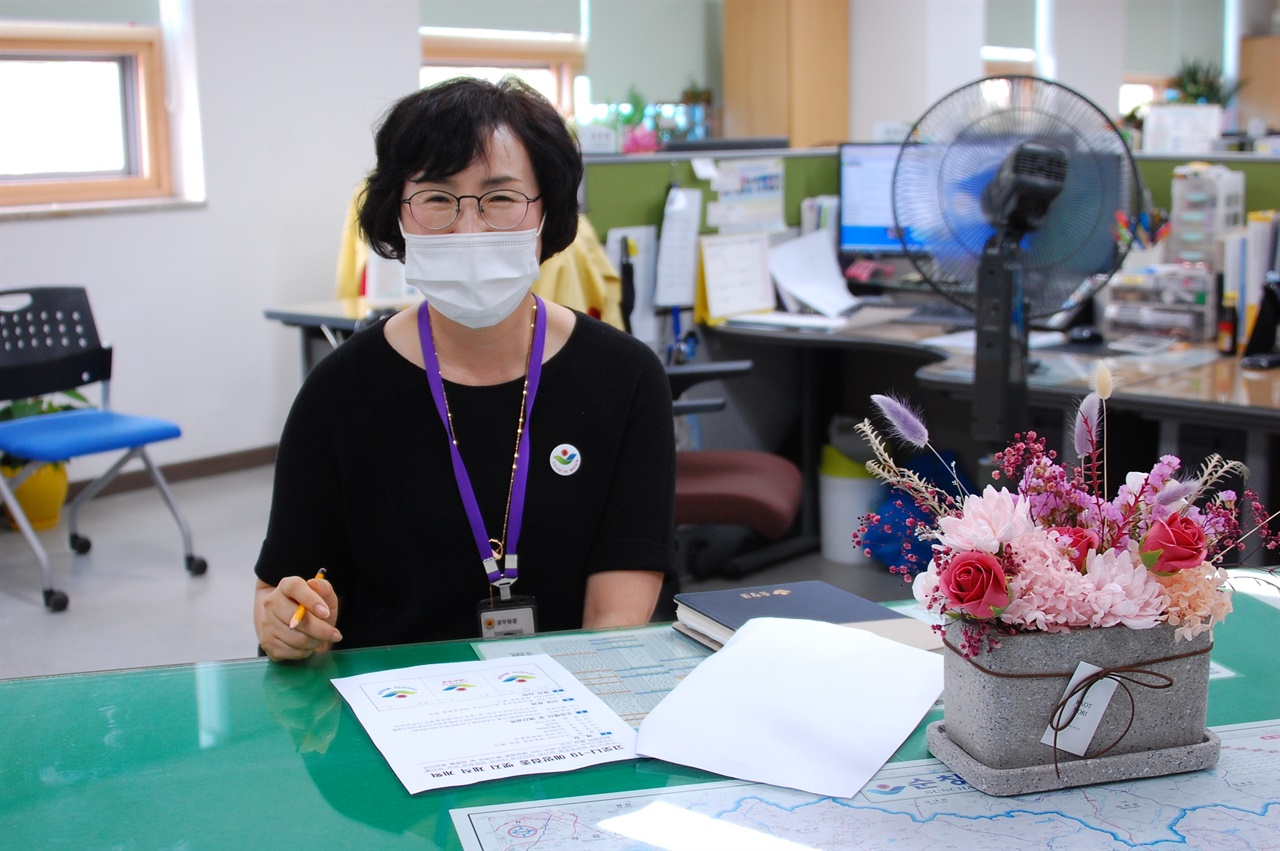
pixel 1058 554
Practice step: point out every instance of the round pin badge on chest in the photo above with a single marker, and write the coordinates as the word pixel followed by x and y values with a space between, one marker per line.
pixel 566 459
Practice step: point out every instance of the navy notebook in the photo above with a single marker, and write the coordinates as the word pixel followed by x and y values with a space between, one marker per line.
pixel 718 614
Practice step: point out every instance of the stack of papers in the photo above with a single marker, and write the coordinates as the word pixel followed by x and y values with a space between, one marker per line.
pixel 799 703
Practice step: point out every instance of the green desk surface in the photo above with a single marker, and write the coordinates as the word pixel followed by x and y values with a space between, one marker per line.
pixel 250 754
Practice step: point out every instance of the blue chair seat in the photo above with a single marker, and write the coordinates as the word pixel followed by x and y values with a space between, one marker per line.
pixel 69 434
pixel 49 344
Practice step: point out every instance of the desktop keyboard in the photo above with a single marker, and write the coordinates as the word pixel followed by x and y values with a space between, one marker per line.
pixel 940 313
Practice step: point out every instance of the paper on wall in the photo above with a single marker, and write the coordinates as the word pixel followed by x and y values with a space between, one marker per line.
pixel 678 248
pixel 750 196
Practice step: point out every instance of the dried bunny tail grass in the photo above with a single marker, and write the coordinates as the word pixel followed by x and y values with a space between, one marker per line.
pixel 1087 426
pixel 1102 382
pixel 906 423
pixel 884 468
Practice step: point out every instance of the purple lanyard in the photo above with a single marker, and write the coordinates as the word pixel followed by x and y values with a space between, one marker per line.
pixel 506 575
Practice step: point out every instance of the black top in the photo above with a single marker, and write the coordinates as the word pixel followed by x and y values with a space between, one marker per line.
pixel 364 486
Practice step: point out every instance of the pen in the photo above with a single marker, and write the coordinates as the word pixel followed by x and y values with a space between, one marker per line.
pixel 302 610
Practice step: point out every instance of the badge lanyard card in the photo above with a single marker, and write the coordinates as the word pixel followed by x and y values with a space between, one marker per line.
pixel 510 614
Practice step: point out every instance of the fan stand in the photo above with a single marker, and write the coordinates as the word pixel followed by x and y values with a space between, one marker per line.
pixel 1000 354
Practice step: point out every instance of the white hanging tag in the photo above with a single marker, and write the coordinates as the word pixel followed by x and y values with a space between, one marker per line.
pixel 1076 737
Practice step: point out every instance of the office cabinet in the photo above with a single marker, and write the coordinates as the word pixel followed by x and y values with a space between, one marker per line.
pixel 786 70
pixel 1260 72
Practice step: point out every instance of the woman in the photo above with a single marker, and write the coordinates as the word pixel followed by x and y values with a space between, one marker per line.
pixel 561 424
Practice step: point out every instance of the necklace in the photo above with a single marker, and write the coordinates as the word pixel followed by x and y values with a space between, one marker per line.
pixel 497 543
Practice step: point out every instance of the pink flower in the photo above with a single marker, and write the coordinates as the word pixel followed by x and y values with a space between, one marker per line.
pixel 974 584
pixel 1173 544
pixel 1077 543
pixel 986 522
pixel 1047 592
pixel 1126 592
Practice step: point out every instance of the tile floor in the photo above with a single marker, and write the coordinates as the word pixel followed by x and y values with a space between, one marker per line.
pixel 133 604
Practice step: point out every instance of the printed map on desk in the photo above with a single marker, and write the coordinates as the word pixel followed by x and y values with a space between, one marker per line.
pixel 629 669
pixel 916 804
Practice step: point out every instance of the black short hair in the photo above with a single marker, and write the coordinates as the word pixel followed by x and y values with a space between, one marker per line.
pixel 442 129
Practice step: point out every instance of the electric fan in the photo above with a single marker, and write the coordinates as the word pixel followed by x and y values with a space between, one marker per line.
pixel 1011 196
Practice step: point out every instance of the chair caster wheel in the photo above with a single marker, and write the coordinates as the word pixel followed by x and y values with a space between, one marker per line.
pixel 55 600
pixel 80 544
pixel 196 566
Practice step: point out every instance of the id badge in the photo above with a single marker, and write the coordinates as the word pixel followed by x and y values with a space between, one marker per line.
pixel 503 618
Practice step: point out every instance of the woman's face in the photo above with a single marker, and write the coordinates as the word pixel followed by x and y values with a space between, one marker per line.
pixel 506 166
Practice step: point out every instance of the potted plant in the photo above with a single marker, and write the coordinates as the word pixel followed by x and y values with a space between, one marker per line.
pixel 41 494
pixel 1058 596
pixel 1202 82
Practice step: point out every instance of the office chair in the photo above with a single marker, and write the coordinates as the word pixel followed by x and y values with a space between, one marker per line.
pixel 756 491
pixel 48 344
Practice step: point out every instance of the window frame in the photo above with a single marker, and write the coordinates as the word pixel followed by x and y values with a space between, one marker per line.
pixel 143 47
pixel 565 56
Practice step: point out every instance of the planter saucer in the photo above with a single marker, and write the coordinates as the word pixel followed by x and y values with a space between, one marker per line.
pixel 1074 772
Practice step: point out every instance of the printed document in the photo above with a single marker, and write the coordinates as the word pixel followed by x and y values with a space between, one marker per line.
pixel 809 705
pixel 806 269
pixel 459 723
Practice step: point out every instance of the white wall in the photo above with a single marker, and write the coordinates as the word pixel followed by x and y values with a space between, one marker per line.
pixel 1098 71
pixel 289 92
pixel 659 46
pixel 904 56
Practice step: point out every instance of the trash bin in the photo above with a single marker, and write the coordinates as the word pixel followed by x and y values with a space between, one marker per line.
pixel 846 491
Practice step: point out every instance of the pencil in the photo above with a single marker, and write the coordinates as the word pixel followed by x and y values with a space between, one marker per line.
pixel 302 610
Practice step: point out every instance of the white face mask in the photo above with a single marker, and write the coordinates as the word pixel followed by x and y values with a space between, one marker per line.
pixel 475 279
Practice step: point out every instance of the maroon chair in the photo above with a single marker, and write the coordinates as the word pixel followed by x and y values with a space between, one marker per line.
pixel 757 492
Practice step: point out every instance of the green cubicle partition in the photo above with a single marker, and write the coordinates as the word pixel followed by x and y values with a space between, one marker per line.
pixel 630 190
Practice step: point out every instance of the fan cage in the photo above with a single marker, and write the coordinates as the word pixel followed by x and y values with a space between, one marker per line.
pixel 955 149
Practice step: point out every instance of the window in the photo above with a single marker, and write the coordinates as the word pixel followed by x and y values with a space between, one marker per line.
pixel 1141 90
pixel 82 114
pixel 546 61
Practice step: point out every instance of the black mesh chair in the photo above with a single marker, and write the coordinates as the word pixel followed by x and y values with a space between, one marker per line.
pixel 49 344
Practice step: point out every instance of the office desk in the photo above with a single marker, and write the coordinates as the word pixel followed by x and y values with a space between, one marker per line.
pixel 324 324
pixel 250 754
pixel 1211 394
pixel 897 344
pixel 1183 390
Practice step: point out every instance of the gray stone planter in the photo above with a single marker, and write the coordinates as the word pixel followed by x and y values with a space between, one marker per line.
pixel 995 717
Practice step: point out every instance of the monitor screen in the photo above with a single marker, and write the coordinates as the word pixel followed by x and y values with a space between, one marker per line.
pixel 866 199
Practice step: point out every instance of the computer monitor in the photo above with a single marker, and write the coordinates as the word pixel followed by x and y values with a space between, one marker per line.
pixel 866 200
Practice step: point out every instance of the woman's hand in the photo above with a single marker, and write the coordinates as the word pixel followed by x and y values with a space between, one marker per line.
pixel 274 607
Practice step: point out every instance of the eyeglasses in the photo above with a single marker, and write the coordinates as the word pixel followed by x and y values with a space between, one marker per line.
pixel 501 209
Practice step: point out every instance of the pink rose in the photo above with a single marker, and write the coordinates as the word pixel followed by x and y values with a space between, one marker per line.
pixel 1173 544
pixel 974 584
pixel 1076 543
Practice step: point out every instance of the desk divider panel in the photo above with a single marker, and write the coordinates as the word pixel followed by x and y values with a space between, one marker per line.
pixel 631 190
